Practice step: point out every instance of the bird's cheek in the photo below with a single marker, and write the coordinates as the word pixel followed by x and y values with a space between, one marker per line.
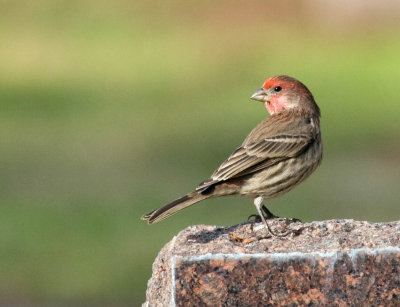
pixel 279 103
pixel 270 107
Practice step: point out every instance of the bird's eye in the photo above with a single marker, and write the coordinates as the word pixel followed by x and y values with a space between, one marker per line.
pixel 277 88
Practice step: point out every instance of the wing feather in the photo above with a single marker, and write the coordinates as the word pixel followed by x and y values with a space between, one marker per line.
pixel 273 140
pixel 255 156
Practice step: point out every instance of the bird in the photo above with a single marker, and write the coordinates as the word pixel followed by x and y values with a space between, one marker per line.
pixel 277 155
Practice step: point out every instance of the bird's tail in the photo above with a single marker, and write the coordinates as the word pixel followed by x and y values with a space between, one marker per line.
pixel 179 204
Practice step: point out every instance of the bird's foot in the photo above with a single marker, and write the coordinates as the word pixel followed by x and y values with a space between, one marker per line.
pixel 276 234
pixel 292 220
pixel 255 218
pixel 284 231
pixel 265 214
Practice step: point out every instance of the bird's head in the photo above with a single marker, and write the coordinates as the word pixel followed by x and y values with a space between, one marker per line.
pixel 282 93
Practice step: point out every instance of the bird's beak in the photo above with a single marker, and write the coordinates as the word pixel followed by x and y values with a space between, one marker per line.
pixel 260 95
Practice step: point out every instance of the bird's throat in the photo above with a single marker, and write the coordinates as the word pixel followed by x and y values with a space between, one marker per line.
pixel 270 107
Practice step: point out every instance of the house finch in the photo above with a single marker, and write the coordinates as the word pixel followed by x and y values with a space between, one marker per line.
pixel 282 151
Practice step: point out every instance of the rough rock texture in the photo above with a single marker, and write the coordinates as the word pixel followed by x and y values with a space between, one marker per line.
pixel 328 263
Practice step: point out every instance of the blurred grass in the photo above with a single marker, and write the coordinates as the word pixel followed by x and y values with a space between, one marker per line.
pixel 110 110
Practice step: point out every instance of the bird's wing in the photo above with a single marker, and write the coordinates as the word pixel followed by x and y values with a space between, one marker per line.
pixel 278 147
pixel 277 138
pixel 254 156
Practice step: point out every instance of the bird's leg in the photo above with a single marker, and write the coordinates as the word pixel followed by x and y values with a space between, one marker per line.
pixel 258 203
pixel 268 214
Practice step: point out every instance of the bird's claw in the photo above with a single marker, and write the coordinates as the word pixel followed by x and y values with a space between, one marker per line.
pixel 286 231
pixel 292 220
pixel 257 218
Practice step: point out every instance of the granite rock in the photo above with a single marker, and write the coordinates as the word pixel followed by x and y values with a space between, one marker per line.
pixel 325 263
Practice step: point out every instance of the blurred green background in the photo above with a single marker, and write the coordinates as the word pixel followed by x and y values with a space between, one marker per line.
pixel 109 109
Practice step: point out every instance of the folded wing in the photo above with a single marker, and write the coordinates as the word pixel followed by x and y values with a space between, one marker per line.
pixel 254 156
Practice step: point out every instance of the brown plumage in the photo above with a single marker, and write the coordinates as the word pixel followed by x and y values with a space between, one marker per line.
pixel 277 155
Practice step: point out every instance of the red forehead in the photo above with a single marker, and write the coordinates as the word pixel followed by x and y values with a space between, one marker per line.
pixel 274 81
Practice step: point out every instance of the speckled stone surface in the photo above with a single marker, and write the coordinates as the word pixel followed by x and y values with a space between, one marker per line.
pixel 327 263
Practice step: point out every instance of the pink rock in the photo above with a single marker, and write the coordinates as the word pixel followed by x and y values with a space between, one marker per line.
pixel 327 263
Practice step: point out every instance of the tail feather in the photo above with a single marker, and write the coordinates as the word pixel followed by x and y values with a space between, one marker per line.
pixel 168 210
